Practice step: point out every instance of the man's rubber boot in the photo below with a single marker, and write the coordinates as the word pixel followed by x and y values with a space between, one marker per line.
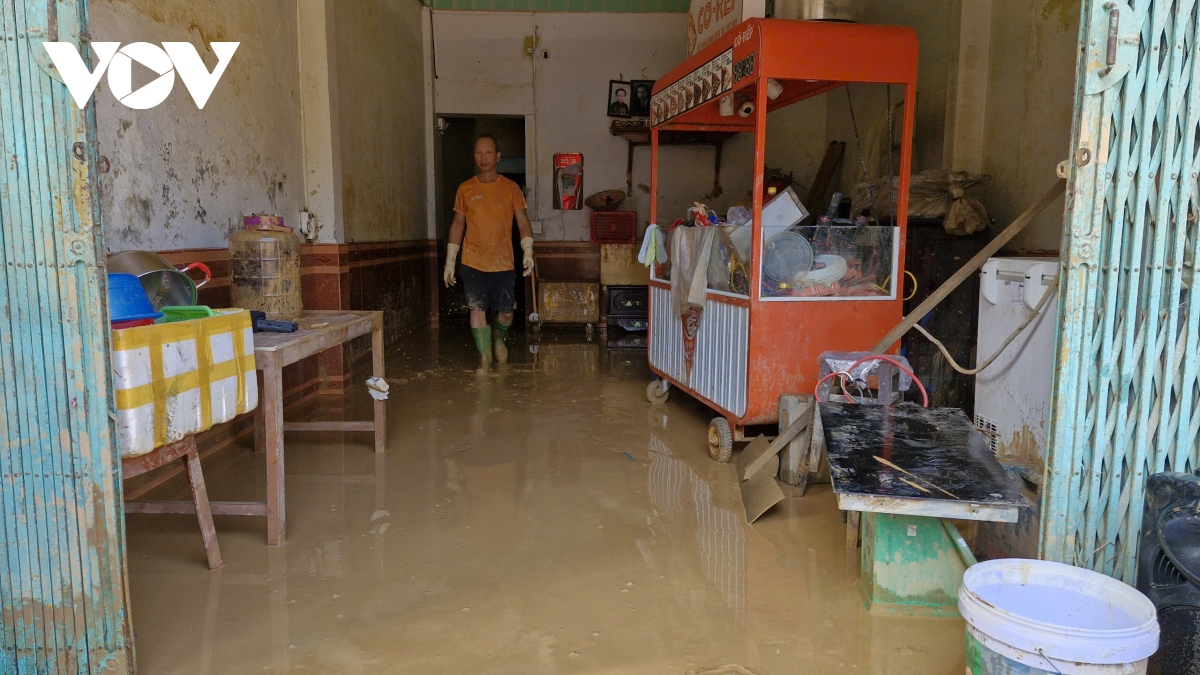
pixel 483 343
pixel 499 331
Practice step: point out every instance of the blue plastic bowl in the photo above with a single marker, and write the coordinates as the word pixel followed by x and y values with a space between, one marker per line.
pixel 127 299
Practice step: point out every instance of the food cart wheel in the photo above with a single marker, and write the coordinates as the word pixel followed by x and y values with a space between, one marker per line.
pixel 720 440
pixel 657 392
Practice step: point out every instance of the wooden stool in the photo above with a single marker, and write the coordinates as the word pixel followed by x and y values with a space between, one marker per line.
pixel 184 450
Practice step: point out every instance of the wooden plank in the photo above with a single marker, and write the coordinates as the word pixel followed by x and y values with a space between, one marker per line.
pixel 934 508
pixel 971 267
pixel 292 347
pixel 329 426
pixel 208 532
pixel 181 507
pixel 751 463
pixel 272 402
pixel 379 425
pixel 796 461
pixel 332 479
pixel 132 467
pixel 814 201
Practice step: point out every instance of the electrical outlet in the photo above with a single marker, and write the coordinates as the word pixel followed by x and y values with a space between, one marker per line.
pixel 536 226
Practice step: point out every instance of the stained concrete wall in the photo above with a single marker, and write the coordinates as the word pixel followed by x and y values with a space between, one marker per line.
pixel 381 117
pixel 936 25
pixel 183 177
pixel 483 70
pixel 1031 92
pixel 1029 98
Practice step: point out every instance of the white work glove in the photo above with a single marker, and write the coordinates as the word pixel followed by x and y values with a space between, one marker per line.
pixel 527 263
pixel 451 259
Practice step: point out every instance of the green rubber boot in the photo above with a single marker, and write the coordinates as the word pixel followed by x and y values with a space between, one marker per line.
pixel 499 332
pixel 483 342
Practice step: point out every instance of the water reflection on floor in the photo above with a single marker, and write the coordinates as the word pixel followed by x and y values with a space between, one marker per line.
pixel 540 519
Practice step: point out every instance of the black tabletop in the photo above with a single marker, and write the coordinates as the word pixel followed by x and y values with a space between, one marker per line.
pixel 939 445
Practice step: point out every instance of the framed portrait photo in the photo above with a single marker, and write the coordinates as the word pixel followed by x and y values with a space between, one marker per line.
pixel 639 103
pixel 619 96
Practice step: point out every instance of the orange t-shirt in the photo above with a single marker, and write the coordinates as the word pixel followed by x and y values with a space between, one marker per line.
pixel 488 208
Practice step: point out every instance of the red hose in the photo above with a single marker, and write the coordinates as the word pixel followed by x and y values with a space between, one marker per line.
pixel 876 357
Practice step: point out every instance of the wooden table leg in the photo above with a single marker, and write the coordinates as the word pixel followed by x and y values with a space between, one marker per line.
pixel 272 404
pixel 208 532
pixel 378 371
pixel 260 434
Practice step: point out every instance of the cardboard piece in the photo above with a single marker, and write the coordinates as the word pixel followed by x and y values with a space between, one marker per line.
pixel 749 463
pixel 752 455
pixel 759 494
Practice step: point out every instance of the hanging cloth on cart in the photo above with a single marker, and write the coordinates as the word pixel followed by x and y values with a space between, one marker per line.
pixel 691 248
pixel 654 249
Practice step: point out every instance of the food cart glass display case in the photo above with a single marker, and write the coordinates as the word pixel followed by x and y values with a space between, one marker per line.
pixel 780 295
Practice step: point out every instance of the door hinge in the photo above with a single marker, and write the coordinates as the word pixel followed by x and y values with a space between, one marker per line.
pixel 1113 38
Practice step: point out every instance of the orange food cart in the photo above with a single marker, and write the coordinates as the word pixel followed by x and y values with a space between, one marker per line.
pixel 763 337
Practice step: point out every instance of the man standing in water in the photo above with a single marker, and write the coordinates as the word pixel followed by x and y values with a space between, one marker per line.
pixel 484 209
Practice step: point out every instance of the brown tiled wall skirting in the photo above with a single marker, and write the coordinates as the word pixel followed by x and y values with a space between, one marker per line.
pixel 398 278
pixel 568 260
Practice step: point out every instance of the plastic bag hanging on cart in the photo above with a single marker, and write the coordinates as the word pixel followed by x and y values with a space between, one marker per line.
pixel 872 381
pixel 690 251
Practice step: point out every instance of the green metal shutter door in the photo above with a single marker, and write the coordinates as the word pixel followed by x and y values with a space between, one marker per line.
pixel 1124 403
pixel 63 599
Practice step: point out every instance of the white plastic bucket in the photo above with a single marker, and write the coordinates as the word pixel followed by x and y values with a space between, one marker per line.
pixel 1033 616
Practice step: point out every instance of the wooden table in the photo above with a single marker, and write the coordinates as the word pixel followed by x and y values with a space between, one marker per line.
pixel 274 351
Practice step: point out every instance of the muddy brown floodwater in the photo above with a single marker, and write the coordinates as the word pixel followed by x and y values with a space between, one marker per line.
pixel 541 519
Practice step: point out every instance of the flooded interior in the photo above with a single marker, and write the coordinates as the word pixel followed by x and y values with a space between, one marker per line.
pixel 541 519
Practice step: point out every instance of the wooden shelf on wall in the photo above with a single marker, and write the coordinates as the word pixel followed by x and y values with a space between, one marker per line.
pixel 636 136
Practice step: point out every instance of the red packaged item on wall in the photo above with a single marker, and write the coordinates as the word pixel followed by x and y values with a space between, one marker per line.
pixel 568 181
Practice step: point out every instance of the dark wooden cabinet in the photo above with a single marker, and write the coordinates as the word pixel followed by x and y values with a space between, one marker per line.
pixel 933 256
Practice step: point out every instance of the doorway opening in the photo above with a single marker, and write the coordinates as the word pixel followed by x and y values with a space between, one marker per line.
pixel 457 165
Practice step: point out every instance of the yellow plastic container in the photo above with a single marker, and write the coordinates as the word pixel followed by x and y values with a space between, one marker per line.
pixel 265 271
pixel 176 379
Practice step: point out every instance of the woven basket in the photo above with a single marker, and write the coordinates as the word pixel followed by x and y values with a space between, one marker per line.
pixel 606 200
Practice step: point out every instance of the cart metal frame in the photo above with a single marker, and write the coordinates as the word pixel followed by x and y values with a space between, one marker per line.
pixel 750 350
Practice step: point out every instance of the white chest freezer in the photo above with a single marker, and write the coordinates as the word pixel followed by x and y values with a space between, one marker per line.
pixel 1012 397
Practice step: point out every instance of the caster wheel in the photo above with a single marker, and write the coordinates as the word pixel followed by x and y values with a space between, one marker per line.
pixel 720 440
pixel 657 392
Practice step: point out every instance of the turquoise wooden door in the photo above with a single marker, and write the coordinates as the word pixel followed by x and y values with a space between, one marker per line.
pixel 1125 403
pixel 63 593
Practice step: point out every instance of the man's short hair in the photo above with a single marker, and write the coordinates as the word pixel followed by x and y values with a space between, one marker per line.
pixel 621 91
pixel 490 138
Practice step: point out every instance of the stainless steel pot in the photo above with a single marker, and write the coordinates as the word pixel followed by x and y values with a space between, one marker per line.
pixel 826 10
pixel 166 285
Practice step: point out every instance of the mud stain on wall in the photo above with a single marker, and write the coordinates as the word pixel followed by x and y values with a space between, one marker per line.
pixel 183 177
pixel 1063 12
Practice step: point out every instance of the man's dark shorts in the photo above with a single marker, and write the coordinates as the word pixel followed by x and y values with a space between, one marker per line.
pixel 490 290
